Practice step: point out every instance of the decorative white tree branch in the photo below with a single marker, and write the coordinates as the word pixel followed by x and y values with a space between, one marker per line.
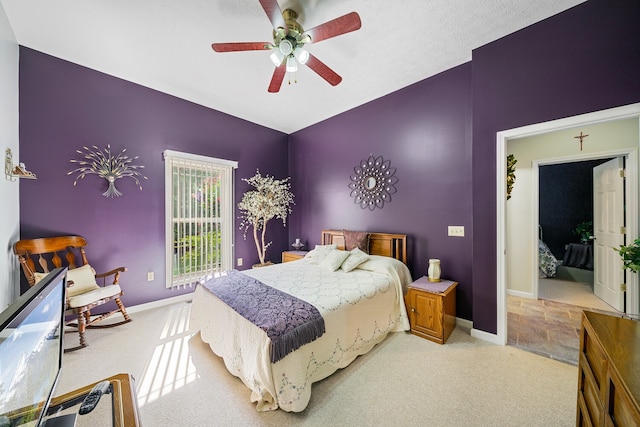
pixel 107 166
pixel 271 198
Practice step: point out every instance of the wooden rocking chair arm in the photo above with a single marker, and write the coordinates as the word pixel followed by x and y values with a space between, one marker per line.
pixel 111 273
pixel 115 273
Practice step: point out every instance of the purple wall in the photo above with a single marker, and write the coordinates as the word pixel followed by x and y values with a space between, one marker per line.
pixel 438 133
pixel 64 107
pixel 441 133
pixel 583 60
pixel 425 131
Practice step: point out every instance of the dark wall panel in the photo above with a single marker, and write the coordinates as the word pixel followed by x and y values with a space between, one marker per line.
pixel 566 200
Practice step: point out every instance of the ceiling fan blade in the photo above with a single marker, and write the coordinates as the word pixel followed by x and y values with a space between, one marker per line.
pixel 323 71
pixel 277 78
pixel 237 47
pixel 274 13
pixel 342 25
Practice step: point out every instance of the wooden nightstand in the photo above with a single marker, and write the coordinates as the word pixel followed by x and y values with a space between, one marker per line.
pixel 431 307
pixel 293 255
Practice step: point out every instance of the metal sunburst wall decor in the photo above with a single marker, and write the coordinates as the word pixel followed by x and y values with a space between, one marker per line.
pixel 373 182
pixel 107 166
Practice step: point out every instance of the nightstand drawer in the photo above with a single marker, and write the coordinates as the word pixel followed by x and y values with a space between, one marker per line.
pixel 293 255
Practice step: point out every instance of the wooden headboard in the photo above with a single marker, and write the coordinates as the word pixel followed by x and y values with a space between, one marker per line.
pixel 385 244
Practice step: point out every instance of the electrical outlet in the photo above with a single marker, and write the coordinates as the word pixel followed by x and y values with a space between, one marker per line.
pixel 456 230
pixel 150 276
pixel 239 262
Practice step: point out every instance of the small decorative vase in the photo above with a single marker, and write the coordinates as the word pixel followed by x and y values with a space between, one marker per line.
pixel 434 270
pixel 297 245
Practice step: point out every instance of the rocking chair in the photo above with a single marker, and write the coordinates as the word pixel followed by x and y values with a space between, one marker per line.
pixel 83 291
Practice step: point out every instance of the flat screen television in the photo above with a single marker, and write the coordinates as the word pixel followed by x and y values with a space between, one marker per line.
pixel 31 348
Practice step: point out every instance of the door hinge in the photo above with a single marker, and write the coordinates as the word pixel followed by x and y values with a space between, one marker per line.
pixel 623 230
pixel 622 173
pixel 623 287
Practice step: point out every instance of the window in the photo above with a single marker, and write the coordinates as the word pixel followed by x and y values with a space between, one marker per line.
pixel 199 216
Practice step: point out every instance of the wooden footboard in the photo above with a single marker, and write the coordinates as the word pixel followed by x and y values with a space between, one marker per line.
pixel 385 244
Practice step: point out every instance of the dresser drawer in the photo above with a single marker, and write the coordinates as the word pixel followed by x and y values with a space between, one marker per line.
pixel 590 393
pixel 595 357
pixel 621 410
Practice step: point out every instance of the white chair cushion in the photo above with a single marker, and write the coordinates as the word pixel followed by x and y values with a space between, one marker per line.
pixel 89 297
pixel 84 280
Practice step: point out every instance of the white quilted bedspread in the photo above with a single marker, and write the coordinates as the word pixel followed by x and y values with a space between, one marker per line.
pixel 360 309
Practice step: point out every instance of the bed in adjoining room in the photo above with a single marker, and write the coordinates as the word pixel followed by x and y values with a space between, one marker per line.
pixel 358 297
pixel 547 262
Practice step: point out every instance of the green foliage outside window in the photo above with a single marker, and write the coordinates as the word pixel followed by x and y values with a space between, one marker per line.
pixel 197 233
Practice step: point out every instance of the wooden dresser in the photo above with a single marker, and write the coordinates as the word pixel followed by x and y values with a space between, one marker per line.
pixel 608 371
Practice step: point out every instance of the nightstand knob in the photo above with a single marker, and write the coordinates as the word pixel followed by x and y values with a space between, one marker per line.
pixel 413 309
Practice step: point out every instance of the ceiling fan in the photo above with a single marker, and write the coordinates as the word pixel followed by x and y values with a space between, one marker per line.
pixel 289 40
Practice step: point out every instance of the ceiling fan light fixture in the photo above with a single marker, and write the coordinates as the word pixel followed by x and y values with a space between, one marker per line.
pixel 285 47
pixel 276 57
pixel 292 66
pixel 301 55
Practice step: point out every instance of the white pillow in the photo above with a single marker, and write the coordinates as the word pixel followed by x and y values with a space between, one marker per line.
pixel 334 260
pixel 84 280
pixel 356 257
pixel 316 255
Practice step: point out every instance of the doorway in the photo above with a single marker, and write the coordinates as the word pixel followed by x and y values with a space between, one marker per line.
pixel 566 233
pixel 529 218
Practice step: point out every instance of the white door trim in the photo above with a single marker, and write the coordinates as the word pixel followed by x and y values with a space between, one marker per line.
pixel 502 137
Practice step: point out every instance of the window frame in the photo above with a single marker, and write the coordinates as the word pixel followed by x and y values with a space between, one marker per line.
pixel 226 217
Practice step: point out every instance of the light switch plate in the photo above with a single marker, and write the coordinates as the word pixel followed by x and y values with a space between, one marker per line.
pixel 456 230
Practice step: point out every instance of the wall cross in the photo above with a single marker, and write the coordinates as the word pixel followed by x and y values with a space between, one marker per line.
pixel 581 137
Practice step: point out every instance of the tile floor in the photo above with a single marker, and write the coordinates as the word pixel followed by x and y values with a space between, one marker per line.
pixel 545 327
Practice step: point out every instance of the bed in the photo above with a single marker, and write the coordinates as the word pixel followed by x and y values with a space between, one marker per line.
pixel 547 262
pixel 359 308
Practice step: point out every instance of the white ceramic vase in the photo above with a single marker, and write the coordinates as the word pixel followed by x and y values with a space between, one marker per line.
pixel 434 270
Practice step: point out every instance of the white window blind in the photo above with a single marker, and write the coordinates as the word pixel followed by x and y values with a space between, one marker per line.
pixel 199 216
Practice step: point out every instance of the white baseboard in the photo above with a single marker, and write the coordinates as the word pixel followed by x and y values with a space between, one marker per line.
pixel 468 324
pixel 160 303
pixel 486 336
pixel 520 294
pixel 154 304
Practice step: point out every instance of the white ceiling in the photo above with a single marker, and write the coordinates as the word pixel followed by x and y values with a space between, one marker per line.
pixel 166 45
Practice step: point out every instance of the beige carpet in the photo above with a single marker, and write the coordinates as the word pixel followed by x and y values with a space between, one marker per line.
pixel 404 381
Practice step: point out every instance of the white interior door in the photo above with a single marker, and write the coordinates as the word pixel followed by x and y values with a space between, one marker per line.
pixel 608 222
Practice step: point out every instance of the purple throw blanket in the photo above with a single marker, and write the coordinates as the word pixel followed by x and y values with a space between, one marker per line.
pixel 288 321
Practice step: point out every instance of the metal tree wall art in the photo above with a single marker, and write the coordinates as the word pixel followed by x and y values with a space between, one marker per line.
pixel 108 166
pixel 373 183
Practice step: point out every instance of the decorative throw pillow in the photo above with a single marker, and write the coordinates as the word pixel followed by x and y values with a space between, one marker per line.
pixel 334 260
pixel 316 255
pixel 83 278
pixel 356 239
pixel 356 257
